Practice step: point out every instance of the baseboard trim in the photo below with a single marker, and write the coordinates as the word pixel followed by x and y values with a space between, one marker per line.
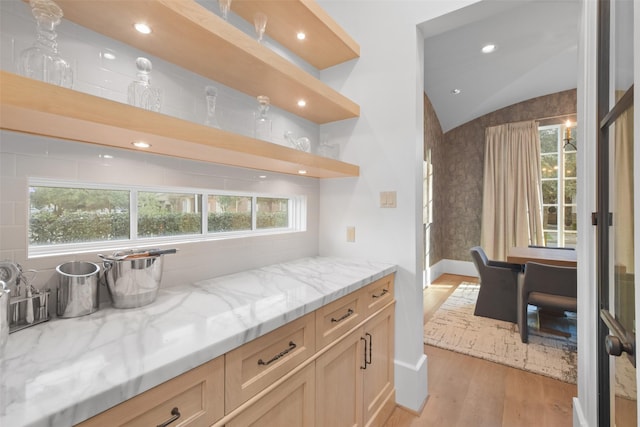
pixel 451 266
pixel 411 384
pixel 579 420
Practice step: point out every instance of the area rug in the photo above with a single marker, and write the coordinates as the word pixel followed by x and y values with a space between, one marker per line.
pixel 454 327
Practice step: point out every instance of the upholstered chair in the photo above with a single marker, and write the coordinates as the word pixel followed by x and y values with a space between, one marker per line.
pixel 498 287
pixel 546 286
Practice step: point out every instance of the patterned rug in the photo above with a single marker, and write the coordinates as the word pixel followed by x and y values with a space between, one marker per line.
pixel 454 327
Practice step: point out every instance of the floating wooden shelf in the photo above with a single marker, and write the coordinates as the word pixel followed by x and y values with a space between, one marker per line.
pixel 188 35
pixel 326 44
pixel 31 106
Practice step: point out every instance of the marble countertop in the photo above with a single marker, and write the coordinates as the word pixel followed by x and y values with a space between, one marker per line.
pixel 64 371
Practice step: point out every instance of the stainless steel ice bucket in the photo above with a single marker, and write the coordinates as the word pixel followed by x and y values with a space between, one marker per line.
pixel 78 288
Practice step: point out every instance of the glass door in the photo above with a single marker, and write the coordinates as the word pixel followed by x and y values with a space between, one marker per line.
pixel 615 217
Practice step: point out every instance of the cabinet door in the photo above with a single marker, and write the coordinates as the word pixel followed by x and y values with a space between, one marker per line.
pixel 339 383
pixel 289 404
pixel 378 383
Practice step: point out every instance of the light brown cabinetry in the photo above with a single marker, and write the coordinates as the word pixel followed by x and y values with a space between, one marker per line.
pixel 185 33
pixel 254 366
pixel 355 377
pixel 197 396
pixel 306 373
pixel 289 404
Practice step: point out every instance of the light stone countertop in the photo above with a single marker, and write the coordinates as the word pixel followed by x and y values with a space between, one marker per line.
pixel 61 372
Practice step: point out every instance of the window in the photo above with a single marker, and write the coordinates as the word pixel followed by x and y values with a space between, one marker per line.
pixel 86 217
pixel 558 165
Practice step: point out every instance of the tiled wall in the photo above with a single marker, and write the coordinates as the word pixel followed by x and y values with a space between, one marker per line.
pixel 23 156
pixel 458 171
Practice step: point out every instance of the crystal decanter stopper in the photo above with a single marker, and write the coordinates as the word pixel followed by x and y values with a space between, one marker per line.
pixel 210 94
pixel 42 61
pixel 262 120
pixel 141 93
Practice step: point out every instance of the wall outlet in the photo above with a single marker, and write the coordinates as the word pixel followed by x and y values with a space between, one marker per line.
pixel 351 234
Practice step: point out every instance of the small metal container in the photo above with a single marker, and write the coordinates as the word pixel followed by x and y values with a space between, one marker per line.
pixel 78 288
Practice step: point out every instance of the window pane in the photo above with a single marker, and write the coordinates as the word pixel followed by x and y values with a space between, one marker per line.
pixel 570 240
pixel 272 213
pixel 550 218
pixel 570 218
pixel 550 192
pixel 168 214
pixel 549 165
pixel 570 165
pixel 229 213
pixel 73 215
pixel 570 191
pixel 551 238
pixel 549 140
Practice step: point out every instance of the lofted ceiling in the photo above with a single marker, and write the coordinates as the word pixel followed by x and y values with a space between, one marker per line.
pixel 536 55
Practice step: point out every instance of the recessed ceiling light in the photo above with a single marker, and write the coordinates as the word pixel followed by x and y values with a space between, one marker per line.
pixel 142 28
pixel 141 144
pixel 302 172
pixel 106 156
pixel 455 91
pixel 301 35
pixel 108 55
pixel 302 103
pixel 488 48
pixel 262 176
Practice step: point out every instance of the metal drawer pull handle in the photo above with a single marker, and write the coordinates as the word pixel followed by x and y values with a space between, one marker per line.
pixel 365 353
pixel 347 314
pixel 368 362
pixel 176 414
pixel 292 346
pixel 383 293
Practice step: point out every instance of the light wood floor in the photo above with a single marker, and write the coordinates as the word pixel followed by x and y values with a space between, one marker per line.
pixel 471 392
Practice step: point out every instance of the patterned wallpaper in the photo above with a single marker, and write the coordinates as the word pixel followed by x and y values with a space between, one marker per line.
pixel 458 158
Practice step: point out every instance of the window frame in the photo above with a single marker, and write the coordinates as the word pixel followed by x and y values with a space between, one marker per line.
pixel 297 213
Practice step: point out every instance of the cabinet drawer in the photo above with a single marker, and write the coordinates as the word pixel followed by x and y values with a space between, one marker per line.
pixel 258 363
pixel 336 318
pixel 197 395
pixel 291 404
pixel 377 294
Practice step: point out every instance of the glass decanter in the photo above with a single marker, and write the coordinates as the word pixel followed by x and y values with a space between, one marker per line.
pixel 210 94
pixel 41 61
pixel 225 6
pixel 262 121
pixel 141 93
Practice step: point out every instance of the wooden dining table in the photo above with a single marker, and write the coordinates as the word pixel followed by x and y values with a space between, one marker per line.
pixel 553 256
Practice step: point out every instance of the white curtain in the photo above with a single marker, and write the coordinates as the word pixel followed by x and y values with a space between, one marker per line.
pixel 511 200
pixel 623 192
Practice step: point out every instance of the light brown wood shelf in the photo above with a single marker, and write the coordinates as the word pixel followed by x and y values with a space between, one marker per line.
pixel 326 43
pixel 34 107
pixel 188 35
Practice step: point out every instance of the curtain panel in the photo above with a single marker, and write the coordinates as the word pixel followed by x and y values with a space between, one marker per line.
pixel 512 200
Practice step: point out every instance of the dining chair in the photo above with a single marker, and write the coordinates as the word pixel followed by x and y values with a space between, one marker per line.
pixel 546 286
pixel 497 297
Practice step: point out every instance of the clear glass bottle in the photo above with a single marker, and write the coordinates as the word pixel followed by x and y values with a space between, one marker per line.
pixel 262 121
pixel 210 94
pixel 225 6
pixel 141 93
pixel 42 61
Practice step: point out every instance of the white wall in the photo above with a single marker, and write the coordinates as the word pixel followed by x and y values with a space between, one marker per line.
pixel 387 142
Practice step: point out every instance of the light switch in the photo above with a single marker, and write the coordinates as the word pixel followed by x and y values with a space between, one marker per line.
pixel 351 234
pixel 388 199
